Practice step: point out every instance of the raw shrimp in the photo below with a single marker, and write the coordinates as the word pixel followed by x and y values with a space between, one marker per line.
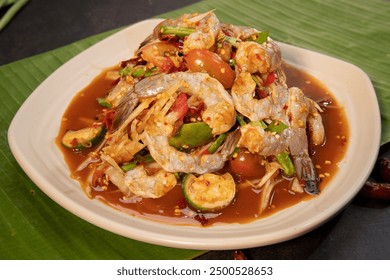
pixel 265 143
pixel 303 111
pixel 122 89
pixel 137 181
pixel 149 186
pixel 258 109
pixel 300 110
pixel 205 35
pixel 125 107
pixel 314 121
pixel 258 58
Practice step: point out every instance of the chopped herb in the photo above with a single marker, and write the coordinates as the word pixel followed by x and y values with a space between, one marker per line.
pixel 276 126
pixel 240 120
pixel 235 152
pixel 262 124
pixel 150 72
pixel 232 41
pixel 139 72
pixel 103 102
pixel 138 159
pixel 128 166
pixel 262 37
pixel 232 63
pixel 124 71
pixel 146 158
pixel 256 79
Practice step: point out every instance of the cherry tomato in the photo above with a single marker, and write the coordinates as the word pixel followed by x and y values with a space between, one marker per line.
pixel 213 64
pixel 247 165
pixel 159 54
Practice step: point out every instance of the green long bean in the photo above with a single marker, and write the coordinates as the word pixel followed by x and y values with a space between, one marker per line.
pixel 286 163
pixel 3 3
pixel 177 30
pixel 11 12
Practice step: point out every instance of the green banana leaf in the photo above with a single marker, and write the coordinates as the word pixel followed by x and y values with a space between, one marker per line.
pixel 32 226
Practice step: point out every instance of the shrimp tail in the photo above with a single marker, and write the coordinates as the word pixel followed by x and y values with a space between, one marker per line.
pixel 231 143
pixel 124 109
pixel 306 172
pixel 311 187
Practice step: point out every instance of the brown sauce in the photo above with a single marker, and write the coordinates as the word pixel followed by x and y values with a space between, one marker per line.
pixel 172 208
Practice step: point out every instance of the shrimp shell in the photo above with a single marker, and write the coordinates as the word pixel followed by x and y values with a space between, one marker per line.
pixel 258 58
pixel 262 142
pixel 149 186
pixel 258 109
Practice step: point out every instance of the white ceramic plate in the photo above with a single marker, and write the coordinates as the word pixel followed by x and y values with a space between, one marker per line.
pixel 35 126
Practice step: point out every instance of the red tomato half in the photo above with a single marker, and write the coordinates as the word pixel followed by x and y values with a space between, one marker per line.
pixel 213 64
pixel 159 54
pixel 247 165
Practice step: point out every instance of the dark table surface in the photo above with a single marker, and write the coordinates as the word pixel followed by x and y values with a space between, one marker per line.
pixel 360 231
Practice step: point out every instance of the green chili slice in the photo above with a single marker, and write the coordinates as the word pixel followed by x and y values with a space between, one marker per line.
pixel 191 135
pixel 103 102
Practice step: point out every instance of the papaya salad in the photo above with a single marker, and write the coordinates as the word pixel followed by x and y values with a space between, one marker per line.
pixel 200 124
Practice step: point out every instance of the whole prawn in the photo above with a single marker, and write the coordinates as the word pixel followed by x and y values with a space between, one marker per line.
pixel 302 110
